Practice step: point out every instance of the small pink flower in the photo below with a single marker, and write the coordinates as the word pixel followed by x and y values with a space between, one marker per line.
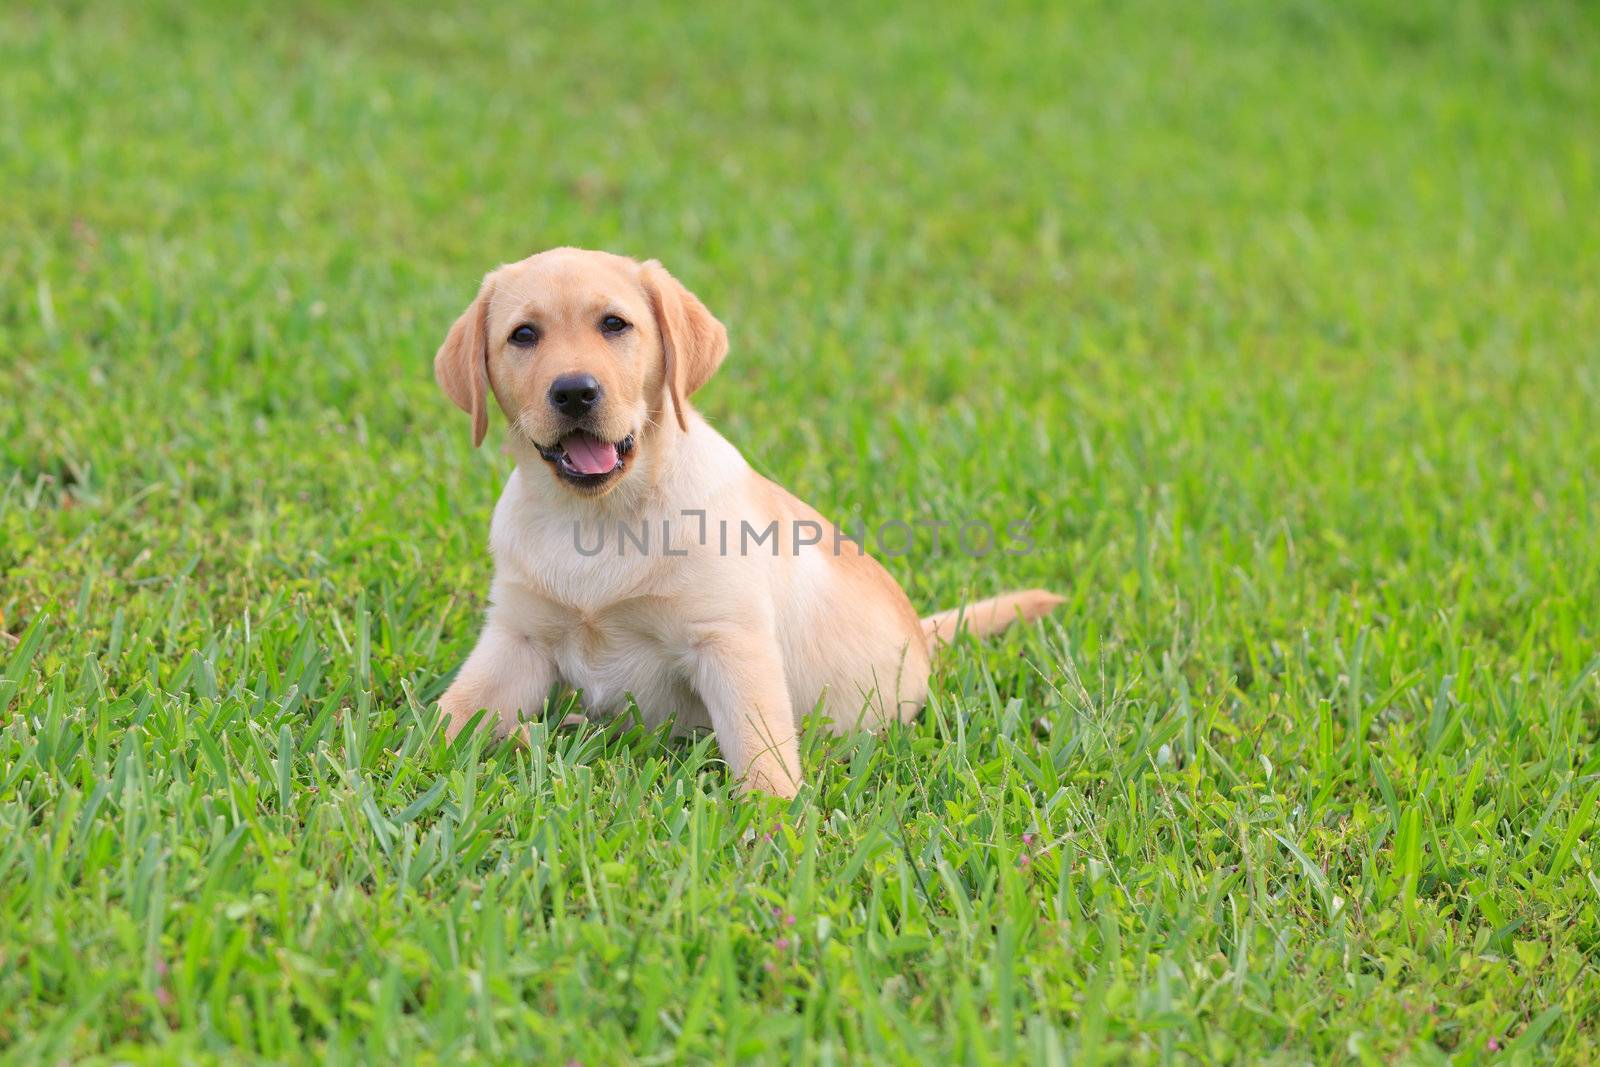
pixel 1494 1046
pixel 1027 840
pixel 782 944
pixel 163 997
pixel 1024 861
pixel 788 920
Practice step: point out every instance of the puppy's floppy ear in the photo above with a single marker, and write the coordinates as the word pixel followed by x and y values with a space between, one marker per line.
pixel 693 342
pixel 461 366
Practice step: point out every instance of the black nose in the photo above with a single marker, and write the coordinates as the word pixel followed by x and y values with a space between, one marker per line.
pixel 574 394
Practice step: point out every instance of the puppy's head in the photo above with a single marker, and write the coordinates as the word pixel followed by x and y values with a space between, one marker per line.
pixel 585 352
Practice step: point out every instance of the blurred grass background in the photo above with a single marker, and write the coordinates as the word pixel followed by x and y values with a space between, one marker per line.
pixel 1277 320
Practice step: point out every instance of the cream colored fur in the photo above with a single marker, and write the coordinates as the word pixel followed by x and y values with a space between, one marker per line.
pixel 743 642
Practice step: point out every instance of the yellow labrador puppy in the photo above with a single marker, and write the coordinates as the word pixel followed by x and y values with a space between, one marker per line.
pixel 638 555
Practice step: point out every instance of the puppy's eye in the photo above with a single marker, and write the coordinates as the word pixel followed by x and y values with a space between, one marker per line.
pixel 523 336
pixel 613 324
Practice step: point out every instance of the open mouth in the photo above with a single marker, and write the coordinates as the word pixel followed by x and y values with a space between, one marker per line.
pixel 585 459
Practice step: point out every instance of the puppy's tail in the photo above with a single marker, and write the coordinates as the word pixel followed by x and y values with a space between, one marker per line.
pixel 988 616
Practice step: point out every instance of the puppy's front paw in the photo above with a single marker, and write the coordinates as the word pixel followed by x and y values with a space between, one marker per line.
pixel 771 777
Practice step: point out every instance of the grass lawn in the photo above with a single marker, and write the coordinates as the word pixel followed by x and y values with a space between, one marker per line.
pixel 1279 321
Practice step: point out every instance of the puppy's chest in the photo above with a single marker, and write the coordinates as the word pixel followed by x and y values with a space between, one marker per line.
pixel 627 650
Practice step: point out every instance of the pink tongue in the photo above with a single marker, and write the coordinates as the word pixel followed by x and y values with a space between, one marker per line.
pixel 590 455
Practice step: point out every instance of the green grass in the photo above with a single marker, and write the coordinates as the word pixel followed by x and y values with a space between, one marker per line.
pixel 1279 320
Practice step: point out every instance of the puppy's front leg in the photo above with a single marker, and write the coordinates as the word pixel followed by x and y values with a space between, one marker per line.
pixel 507 674
pixel 741 682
